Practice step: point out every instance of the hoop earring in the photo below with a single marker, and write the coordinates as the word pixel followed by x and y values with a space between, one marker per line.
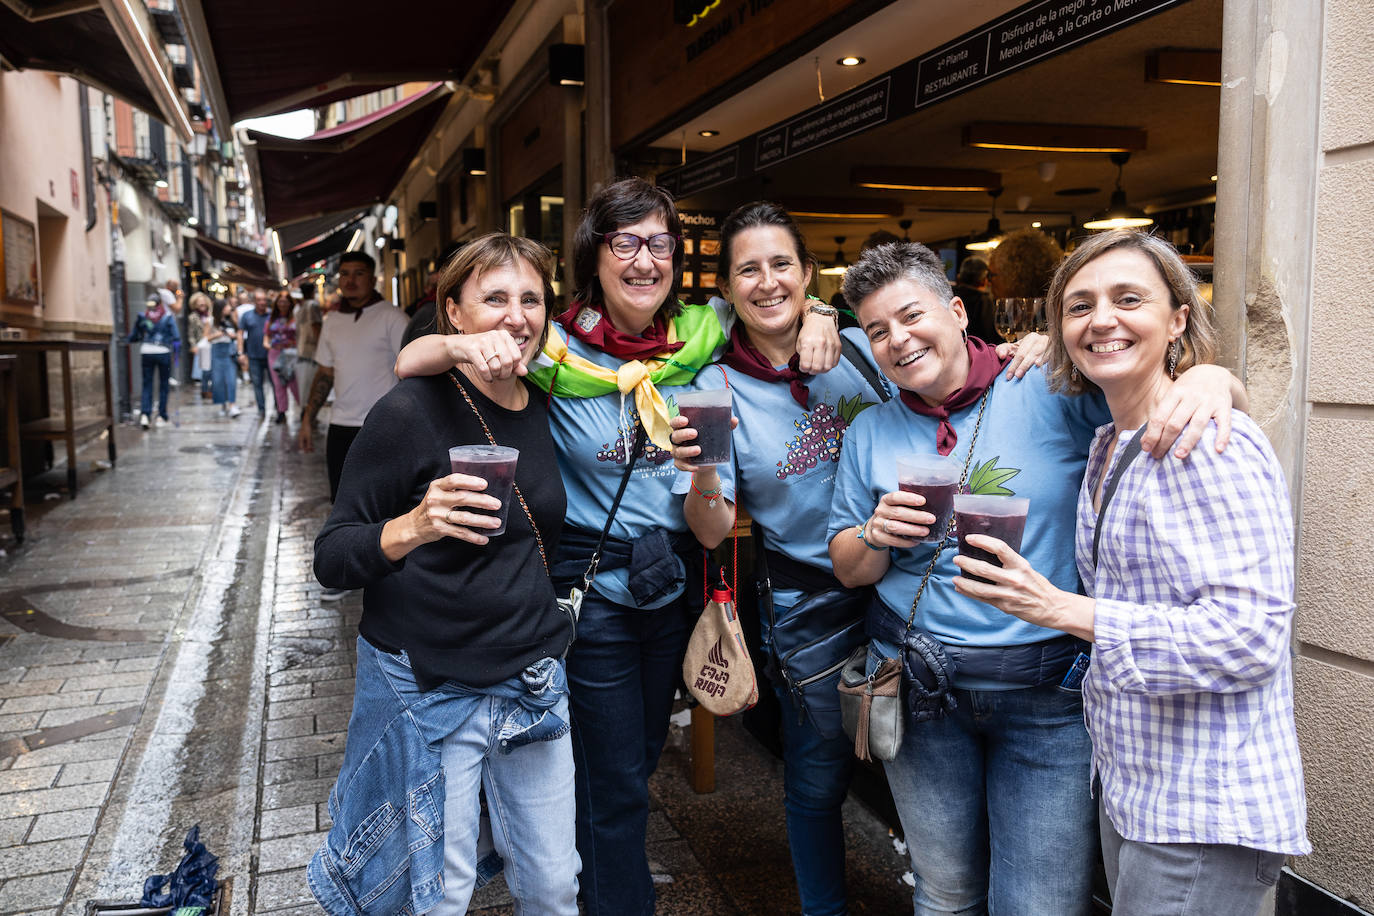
pixel 1173 358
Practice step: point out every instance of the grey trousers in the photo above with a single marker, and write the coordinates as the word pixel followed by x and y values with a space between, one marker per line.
pixel 1184 879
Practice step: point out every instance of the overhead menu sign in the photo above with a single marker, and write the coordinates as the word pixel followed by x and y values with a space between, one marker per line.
pixel 843 116
pixel 1030 33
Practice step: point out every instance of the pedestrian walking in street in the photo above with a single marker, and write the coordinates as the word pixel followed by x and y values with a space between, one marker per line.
pixel 281 353
pixel 460 684
pixel 253 347
pixel 156 330
pixel 1189 604
pixel 309 323
pixel 355 358
pixel 224 362
pixel 198 323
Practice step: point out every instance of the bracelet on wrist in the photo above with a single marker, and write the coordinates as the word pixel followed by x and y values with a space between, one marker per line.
pixel 710 495
pixel 862 535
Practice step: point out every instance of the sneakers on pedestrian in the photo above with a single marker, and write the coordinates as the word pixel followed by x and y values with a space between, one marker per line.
pixel 144 421
pixel 234 411
pixel 160 422
pixel 334 594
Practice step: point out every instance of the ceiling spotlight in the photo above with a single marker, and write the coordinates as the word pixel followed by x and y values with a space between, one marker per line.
pixel 1119 214
pixel 1214 178
pixel 850 61
pixel 1035 225
pixel 708 133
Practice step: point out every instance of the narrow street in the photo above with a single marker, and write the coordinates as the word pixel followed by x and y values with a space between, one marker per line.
pixel 165 661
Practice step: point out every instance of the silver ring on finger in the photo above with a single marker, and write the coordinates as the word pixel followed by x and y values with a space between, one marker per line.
pixel 885 531
pixel 448 516
pixel 492 357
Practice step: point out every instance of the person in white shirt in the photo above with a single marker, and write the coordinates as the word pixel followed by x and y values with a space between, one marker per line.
pixel 354 357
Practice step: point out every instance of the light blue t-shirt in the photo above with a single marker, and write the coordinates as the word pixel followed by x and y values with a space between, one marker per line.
pixel 1035 443
pixel 785 458
pixel 592 435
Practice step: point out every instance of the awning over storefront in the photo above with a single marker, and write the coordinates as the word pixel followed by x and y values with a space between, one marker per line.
pixel 320 51
pixel 309 231
pixel 349 166
pixel 249 261
pixel 103 43
pixel 298 260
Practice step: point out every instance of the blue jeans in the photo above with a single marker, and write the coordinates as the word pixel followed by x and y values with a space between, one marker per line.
pixel 530 802
pixel 162 363
pixel 1185 879
pixel 622 673
pixel 815 777
pixel 224 373
pixel 257 374
pixel 996 805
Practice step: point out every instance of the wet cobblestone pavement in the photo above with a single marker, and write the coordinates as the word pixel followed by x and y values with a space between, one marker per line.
pixel 166 660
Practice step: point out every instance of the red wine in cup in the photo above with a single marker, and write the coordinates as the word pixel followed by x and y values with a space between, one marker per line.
pixel 1007 528
pixel 939 502
pixel 713 433
pixel 500 478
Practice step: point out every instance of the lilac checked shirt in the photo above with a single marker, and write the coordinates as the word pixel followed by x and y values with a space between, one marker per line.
pixel 1189 698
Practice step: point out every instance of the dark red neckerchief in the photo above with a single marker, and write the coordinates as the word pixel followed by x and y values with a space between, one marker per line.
pixel 356 311
pixel 603 335
pixel 740 353
pixel 983 369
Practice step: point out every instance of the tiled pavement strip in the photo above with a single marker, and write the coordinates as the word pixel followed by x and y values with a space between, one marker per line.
pixel 242 691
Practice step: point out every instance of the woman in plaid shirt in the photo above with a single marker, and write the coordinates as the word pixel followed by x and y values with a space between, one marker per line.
pixel 1189 699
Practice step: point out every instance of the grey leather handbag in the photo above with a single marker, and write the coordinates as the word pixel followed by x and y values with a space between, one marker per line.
pixel 871 706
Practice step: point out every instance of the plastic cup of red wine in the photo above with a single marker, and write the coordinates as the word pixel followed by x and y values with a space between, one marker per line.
pixel 936 478
pixel 496 465
pixel 708 412
pixel 1001 517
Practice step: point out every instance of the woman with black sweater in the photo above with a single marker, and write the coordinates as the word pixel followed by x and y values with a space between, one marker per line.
pixel 460 677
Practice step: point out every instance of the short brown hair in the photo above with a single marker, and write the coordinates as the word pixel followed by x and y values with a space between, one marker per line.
pixel 1197 343
pixel 624 203
pixel 493 250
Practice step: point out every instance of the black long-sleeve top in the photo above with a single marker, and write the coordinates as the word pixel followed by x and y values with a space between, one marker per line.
pixel 478 615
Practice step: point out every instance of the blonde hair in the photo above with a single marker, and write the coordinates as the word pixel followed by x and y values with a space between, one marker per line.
pixel 1197 343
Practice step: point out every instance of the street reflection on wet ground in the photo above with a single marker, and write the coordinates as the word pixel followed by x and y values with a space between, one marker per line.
pixel 166 660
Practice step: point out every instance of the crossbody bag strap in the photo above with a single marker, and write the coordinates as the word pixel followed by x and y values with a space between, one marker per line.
pixel 1128 454
pixel 850 351
pixel 963 479
pixel 539 541
pixel 636 445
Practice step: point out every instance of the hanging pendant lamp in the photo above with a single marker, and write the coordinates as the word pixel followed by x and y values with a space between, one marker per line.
pixel 838 266
pixel 991 237
pixel 1119 214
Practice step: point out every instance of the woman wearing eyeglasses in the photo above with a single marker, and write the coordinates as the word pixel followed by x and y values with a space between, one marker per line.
pixel 618 354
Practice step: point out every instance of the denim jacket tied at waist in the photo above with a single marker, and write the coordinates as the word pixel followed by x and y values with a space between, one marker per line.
pixel 385 852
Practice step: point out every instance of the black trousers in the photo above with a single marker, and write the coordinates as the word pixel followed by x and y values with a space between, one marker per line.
pixel 335 451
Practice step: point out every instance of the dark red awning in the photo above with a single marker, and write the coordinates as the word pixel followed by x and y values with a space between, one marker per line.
pixel 350 166
pixel 319 51
pixel 97 44
pixel 249 261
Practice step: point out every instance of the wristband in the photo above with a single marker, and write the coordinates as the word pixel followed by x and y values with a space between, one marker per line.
pixel 710 495
pixel 867 543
